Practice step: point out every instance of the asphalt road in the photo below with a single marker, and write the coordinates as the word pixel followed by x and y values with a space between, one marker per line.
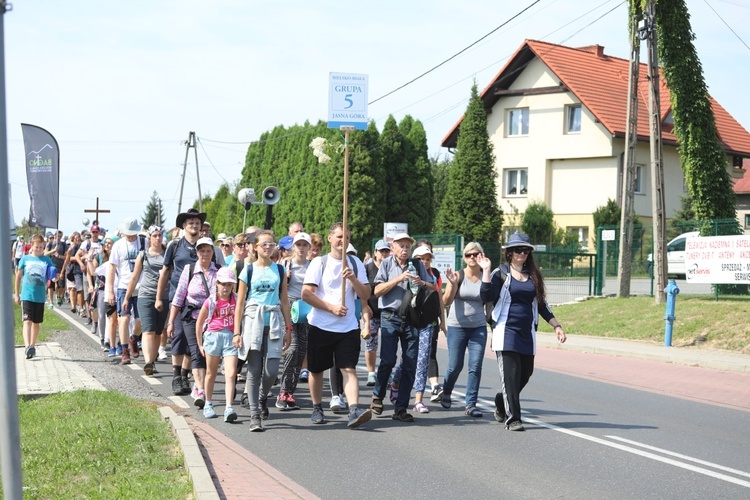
pixel 584 439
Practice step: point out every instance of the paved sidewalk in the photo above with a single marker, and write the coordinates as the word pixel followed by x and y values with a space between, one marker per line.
pixel 50 371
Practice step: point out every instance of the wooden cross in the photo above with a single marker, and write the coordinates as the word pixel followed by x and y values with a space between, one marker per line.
pixel 96 210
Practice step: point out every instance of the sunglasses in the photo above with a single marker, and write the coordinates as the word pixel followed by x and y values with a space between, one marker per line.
pixel 520 250
pixel 238 245
pixel 470 255
pixel 225 245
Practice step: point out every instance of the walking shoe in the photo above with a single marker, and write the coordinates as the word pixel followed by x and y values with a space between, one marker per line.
pixel 335 405
pixel 185 383
pixel 445 401
pixel 402 416
pixel 516 425
pixel 358 417
pixel 371 379
pixel 344 405
pixel 473 411
pixel 376 405
pixel 208 411
pixel 32 351
pixel 125 357
pixel 317 415
pixel 134 349
pixel 291 404
pixel 59 302
pixel 245 401
pixel 394 394
pixel 92 329
pixel 89 321
pixel 304 374
pixel 281 403
pixel 264 413
pixel 49 305
pixel 230 415
pixel 420 407
pixel 82 313
pixel 119 348
pixel 112 352
pixel 255 424
pixel 436 394
pixel 106 345
pixel 499 413
pixel 101 341
pixel 162 354
pixel 148 368
pixel 177 386
pixel 199 398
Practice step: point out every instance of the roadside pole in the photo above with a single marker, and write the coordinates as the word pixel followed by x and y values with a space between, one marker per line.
pixel 10 433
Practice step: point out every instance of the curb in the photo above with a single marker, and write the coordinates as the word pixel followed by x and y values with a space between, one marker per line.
pixel 203 483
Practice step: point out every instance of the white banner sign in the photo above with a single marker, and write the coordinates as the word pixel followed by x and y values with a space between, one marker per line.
pixel 718 259
pixel 391 229
pixel 347 100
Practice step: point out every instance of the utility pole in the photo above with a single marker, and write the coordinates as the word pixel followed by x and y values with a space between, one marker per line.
pixel 628 178
pixel 657 162
pixel 190 143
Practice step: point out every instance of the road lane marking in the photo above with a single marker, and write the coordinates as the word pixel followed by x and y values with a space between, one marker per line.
pixel 151 380
pixel 179 401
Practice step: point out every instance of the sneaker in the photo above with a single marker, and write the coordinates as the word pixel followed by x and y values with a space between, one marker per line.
pixel 26 352
pixel 436 394
pixel 112 352
pixel 148 369
pixel 49 305
pixel 516 425
pixel 420 407
pixel 59 302
pixel 335 405
pixel 281 401
pixel 199 398
pixel 291 404
pixel 371 379
pixel 89 321
pixel 245 401
pixel 162 354
pixel 230 415
pixel 185 383
pixel 125 357
pixel 304 374
pixel 344 405
pixel 402 416
pixel 499 413
pixel 317 415
pixel 82 313
pixel 93 327
pixel 394 394
pixel 358 417
pixel 208 411
pixel 101 341
pixel 445 401
pixel 106 345
pixel 134 349
pixel 31 352
pixel 177 386
pixel 264 413
pixel 473 411
pixel 255 424
pixel 119 349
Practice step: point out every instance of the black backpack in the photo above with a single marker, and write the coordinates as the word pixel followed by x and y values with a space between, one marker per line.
pixel 424 310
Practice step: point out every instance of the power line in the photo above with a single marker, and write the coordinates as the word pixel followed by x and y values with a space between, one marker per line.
pixel 453 56
pixel 726 24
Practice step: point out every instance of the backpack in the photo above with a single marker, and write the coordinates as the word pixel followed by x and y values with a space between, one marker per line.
pixel 420 310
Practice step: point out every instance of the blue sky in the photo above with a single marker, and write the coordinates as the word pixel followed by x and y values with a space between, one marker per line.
pixel 121 84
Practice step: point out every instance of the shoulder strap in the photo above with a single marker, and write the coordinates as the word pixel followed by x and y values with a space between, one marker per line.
pixel 280 270
pixel 249 280
pixel 353 264
pixel 142 241
pixel 460 280
pixel 238 270
pixel 191 271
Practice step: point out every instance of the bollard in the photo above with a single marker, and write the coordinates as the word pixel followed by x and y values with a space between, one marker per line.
pixel 672 290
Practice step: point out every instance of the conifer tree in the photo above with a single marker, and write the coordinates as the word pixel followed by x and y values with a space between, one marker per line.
pixel 154 215
pixel 470 205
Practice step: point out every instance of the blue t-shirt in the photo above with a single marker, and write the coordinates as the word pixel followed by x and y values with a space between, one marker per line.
pixel 264 286
pixel 34 284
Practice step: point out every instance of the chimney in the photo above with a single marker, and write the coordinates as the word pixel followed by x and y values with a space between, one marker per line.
pixel 597 49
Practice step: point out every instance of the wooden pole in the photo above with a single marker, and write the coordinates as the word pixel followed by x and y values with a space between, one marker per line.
pixel 345 220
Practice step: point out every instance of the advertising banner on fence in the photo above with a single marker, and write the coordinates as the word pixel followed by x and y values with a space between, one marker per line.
pixel 42 175
pixel 718 259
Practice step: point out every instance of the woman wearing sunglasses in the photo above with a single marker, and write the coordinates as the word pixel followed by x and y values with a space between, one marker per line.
pixel 518 294
pixel 467 328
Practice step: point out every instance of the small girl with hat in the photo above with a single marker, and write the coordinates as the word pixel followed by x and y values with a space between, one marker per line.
pixel 217 318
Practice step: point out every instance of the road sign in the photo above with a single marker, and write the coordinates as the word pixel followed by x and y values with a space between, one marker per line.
pixel 347 100
pixel 608 235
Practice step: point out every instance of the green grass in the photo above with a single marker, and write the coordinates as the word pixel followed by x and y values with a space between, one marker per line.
pixel 724 323
pixel 96 444
pixel 52 323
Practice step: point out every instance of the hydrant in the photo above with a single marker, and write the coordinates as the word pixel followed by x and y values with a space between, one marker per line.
pixel 672 290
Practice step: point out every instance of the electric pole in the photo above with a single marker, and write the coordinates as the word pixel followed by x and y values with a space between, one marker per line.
pixel 190 143
pixel 628 178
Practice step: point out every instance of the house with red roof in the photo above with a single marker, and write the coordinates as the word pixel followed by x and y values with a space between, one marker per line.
pixel 556 117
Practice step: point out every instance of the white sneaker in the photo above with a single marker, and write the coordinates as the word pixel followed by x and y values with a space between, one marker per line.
pixel 162 354
pixel 336 404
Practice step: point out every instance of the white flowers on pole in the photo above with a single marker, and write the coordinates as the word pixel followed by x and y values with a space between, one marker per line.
pixel 319 145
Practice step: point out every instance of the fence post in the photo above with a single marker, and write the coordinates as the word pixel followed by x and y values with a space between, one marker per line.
pixel 601 261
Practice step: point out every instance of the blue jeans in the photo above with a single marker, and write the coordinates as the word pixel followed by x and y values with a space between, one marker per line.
pixel 459 340
pixel 391 334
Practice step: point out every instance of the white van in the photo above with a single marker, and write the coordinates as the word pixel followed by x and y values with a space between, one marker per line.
pixel 675 255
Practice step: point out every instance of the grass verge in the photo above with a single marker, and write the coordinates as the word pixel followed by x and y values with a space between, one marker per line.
pixel 723 324
pixel 97 444
pixel 51 324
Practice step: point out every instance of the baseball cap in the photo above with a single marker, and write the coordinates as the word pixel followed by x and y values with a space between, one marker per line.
pixel 204 241
pixel 422 250
pixel 226 275
pixel 94 229
pixel 302 236
pixel 382 245
pixel 403 236
pixel 350 249
pixel 286 242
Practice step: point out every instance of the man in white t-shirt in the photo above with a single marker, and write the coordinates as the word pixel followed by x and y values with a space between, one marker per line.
pixel 122 262
pixel 334 327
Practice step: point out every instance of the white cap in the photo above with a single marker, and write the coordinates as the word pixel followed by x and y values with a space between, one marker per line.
pixel 302 236
pixel 403 236
pixel 204 241
pixel 351 249
pixel 222 236
pixel 422 250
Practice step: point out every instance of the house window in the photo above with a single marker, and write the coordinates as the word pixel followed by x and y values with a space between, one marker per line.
pixel 638 179
pixel 583 236
pixel 516 182
pixel 573 119
pixel 518 122
pixel 747 221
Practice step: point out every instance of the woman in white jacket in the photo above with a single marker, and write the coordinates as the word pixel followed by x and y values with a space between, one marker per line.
pixel 518 294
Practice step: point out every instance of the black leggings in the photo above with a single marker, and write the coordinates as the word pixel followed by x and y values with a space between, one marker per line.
pixel 432 368
pixel 515 372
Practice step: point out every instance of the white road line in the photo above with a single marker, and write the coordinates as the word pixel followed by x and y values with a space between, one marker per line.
pixel 151 380
pixel 684 457
pixel 134 367
pixel 179 401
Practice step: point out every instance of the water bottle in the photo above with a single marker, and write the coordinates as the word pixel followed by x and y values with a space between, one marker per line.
pixel 414 288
